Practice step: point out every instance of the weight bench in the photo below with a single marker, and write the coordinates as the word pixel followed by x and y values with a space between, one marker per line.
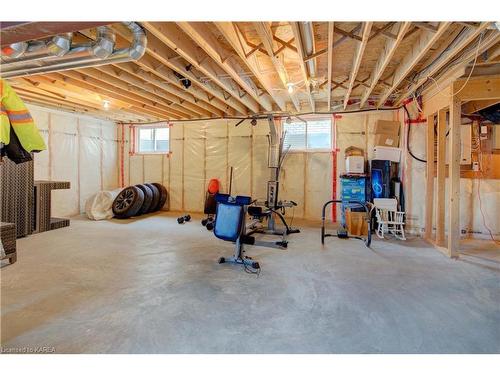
pixel 230 226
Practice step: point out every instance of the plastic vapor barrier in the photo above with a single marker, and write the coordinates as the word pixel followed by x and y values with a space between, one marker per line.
pixel 82 150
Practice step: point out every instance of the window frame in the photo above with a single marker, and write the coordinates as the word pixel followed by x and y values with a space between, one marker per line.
pixel 137 141
pixel 307 149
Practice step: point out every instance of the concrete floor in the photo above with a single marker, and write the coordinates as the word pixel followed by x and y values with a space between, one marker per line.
pixel 153 286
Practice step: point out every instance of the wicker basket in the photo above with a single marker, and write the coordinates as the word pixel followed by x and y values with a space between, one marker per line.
pixel 8 237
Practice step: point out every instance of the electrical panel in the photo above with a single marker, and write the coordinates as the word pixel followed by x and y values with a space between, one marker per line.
pixel 496 137
pixel 465 145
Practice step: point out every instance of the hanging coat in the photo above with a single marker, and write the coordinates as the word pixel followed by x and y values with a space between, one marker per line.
pixel 20 119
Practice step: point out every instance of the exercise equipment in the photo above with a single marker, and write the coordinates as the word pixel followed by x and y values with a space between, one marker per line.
pixel 184 219
pixel 342 231
pixel 264 213
pixel 230 226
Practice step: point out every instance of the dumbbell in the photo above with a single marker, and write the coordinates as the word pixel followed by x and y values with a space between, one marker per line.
pixel 183 219
pixel 210 225
pixel 207 220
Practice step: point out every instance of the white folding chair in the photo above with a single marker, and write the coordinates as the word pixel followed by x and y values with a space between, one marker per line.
pixel 389 219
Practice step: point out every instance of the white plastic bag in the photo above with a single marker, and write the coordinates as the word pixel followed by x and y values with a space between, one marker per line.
pixel 99 205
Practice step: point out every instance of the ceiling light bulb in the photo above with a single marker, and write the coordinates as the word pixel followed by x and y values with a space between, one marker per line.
pixel 105 104
pixel 290 87
pixel 288 120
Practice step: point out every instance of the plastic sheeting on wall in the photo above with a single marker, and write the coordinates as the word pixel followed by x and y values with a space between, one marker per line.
pixel 82 150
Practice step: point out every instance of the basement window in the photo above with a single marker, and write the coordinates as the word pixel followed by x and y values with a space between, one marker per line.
pixel 153 139
pixel 308 135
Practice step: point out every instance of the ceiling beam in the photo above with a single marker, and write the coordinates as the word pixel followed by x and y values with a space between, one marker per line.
pixel 118 83
pixel 331 27
pixel 232 34
pixel 435 65
pixel 180 43
pixel 302 55
pixel 266 36
pixel 60 79
pixel 181 97
pixel 358 56
pixel 74 76
pixel 418 51
pixel 162 62
pixel 202 36
pixel 158 61
pixel 42 97
pixel 477 105
pixel 384 59
pixel 175 106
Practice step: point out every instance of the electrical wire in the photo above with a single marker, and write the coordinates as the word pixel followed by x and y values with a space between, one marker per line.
pixel 408 137
pixel 265 116
pixel 481 202
pixel 468 77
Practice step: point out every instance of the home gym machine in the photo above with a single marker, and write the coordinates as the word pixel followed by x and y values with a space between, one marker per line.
pixel 264 213
pixel 230 226
pixel 342 231
pixel 230 219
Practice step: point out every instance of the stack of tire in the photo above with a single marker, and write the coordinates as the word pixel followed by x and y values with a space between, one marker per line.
pixel 139 199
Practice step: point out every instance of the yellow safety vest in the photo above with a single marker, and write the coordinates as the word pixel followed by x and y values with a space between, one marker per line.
pixel 13 112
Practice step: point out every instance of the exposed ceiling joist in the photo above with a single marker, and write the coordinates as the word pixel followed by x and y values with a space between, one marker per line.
pixel 184 98
pixel 203 37
pixel 76 78
pixel 173 38
pixel 111 95
pixel 435 66
pixel 358 56
pixel 423 44
pixel 266 36
pixel 385 58
pixel 234 38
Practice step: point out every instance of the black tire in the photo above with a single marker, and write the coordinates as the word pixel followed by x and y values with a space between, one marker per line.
pixel 128 202
pixel 148 199
pixel 156 197
pixel 163 195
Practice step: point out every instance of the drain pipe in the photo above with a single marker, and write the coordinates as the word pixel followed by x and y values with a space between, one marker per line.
pixel 99 52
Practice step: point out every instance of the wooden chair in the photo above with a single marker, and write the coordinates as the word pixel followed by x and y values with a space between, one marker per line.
pixel 389 219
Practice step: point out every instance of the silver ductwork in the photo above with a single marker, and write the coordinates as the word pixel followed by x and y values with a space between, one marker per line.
pixel 58 53
pixel 308 40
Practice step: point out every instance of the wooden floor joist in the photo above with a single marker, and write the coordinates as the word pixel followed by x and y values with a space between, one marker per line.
pixel 225 69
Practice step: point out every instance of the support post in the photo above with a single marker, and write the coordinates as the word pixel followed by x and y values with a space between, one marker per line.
pixel 429 194
pixel 441 177
pixel 454 178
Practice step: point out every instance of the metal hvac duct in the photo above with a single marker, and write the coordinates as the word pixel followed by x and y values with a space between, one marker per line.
pixel 58 54
pixel 308 41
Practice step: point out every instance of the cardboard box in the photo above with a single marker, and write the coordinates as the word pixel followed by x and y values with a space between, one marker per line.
pixel 355 164
pixel 387 153
pixel 356 223
pixel 386 133
pixel 387 140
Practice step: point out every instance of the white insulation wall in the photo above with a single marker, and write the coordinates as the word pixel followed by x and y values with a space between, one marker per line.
pixel 357 130
pixel 80 149
pixel 203 150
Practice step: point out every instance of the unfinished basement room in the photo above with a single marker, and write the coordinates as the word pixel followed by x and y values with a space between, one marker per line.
pixel 252 186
